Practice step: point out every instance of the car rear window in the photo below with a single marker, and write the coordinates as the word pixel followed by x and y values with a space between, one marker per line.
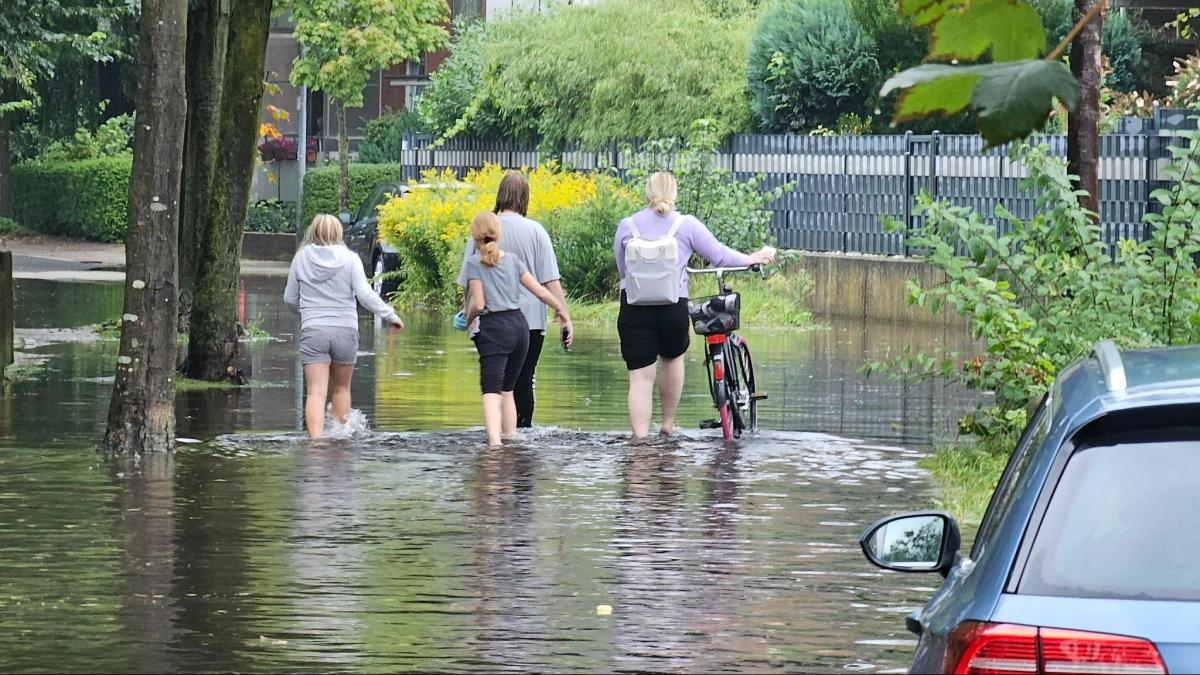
pixel 1124 522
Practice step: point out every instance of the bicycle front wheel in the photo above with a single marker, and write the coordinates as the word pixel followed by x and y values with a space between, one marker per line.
pixel 742 398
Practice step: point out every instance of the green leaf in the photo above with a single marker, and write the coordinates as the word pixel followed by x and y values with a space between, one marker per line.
pixel 945 95
pixel 1011 30
pixel 1013 99
pixel 924 12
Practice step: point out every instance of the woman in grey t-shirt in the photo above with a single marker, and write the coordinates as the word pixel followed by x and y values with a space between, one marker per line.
pixel 494 281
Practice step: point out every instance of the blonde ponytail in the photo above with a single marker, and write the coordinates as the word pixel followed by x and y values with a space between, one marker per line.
pixel 661 192
pixel 485 231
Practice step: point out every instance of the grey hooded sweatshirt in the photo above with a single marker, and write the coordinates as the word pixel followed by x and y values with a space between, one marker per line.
pixel 324 282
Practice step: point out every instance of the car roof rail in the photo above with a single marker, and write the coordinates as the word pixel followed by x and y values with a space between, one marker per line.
pixel 1109 356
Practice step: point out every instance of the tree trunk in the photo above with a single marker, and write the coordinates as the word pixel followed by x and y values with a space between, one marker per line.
pixel 141 414
pixel 343 160
pixel 6 199
pixel 1083 125
pixel 213 336
pixel 208 33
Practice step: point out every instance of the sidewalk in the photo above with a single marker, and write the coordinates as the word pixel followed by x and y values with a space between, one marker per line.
pixel 71 260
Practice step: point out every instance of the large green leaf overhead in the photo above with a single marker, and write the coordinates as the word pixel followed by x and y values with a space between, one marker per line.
pixel 1012 98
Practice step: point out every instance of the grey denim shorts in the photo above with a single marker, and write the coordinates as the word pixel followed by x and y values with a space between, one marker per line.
pixel 325 344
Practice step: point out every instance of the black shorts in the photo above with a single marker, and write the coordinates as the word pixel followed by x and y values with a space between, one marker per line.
pixel 650 331
pixel 502 341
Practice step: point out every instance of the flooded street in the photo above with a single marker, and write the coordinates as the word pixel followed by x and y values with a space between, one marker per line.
pixel 418 549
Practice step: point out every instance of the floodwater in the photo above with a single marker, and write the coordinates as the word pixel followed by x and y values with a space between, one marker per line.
pixel 416 548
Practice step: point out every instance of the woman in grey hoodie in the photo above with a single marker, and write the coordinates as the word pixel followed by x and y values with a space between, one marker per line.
pixel 325 280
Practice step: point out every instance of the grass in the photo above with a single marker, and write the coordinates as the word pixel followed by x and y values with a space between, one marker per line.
pixel 966 475
pixel 188 384
pixel 774 302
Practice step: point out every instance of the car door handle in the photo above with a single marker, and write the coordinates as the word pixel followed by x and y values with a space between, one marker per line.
pixel 913 624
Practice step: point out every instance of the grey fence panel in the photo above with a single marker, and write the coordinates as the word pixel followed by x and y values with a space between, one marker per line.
pixel 845 187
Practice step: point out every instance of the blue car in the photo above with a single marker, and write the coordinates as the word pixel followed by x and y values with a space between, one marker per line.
pixel 1088 558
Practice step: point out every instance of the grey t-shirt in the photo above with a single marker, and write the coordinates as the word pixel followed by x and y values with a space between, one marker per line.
pixel 501 284
pixel 528 241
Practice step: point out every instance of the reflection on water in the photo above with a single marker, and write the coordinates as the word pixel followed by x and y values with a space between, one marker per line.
pixel 424 550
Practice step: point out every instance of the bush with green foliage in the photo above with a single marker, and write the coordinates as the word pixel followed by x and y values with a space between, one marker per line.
pixel 321 186
pixel 595 73
pixel 384 137
pixel 112 138
pixel 810 62
pixel 271 215
pixel 1041 295
pixel 9 226
pixel 583 242
pixel 74 199
pixel 457 83
pixel 735 211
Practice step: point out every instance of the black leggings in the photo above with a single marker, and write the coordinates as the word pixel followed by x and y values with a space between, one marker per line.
pixel 523 393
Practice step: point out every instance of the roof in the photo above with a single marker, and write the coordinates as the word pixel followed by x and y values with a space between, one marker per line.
pixel 1090 388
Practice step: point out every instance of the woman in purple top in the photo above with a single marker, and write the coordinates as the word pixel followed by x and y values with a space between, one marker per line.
pixel 650 333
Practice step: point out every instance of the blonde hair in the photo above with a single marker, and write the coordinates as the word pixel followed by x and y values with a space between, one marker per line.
pixel 661 191
pixel 485 230
pixel 325 230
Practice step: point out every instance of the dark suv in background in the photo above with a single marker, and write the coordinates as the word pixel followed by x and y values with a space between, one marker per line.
pixel 362 237
pixel 1088 558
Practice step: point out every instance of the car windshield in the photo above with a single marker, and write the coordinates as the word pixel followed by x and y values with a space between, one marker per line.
pixel 1124 522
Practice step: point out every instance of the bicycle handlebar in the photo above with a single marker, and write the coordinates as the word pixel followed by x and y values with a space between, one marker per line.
pixel 723 270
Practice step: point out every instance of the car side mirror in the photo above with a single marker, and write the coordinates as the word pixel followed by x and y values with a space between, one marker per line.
pixel 346 217
pixel 922 541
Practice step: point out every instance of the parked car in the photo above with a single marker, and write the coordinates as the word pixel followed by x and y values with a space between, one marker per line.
pixel 362 236
pixel 1088 557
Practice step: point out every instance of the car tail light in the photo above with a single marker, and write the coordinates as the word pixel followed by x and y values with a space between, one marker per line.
pixel 1001 649
pixel 1070 651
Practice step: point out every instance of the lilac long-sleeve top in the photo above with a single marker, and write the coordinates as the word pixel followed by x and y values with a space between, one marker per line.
pixel 693 237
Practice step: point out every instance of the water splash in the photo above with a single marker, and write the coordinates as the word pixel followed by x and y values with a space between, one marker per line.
pixel 356 425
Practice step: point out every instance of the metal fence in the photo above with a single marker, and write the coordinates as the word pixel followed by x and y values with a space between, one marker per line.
pixel 847 186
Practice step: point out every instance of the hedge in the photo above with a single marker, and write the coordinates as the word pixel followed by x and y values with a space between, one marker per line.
pixel 83 199
pixel 321 186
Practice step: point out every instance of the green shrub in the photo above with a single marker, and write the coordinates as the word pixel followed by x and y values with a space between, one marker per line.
pixel 271 215
pixel 583 242
pixel 735 211
pixel 1041 295
pixel 457 83
pixel 810 62
pixel 600 72
pixel 384 138
pixel 75 199
pixel 321 186
pixel 9 226
pixel 113 137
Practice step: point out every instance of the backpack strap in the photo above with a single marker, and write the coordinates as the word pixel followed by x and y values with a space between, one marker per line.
pixel 676 225
pixel 633 228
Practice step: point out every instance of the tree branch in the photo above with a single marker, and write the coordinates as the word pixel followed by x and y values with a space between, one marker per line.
pixel 1075 31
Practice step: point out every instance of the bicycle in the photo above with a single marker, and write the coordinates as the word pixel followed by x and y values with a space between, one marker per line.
pixel 727 360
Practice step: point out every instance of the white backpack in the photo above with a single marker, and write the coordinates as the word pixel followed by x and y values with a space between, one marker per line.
pixel 652 274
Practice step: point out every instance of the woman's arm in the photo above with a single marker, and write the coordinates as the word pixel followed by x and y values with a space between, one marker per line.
pixel 619 248
pixel 367 296
pixel 475 302
pixel 530 283
pixel 291 292
pixel 716 253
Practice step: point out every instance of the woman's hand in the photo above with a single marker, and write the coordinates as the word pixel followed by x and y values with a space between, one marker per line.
pixel 398 324
pixel 564 321
pixel 763 256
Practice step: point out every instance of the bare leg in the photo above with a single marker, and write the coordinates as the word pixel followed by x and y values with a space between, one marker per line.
pixel 493 417
pixel 641 400
pixel 316 379
pixel 339 389
pixel 508 414
pixel 670 388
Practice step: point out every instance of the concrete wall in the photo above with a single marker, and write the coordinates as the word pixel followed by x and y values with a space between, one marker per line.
pixel 872 288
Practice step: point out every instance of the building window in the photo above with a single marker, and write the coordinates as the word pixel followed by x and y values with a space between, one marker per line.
pixel 466 9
